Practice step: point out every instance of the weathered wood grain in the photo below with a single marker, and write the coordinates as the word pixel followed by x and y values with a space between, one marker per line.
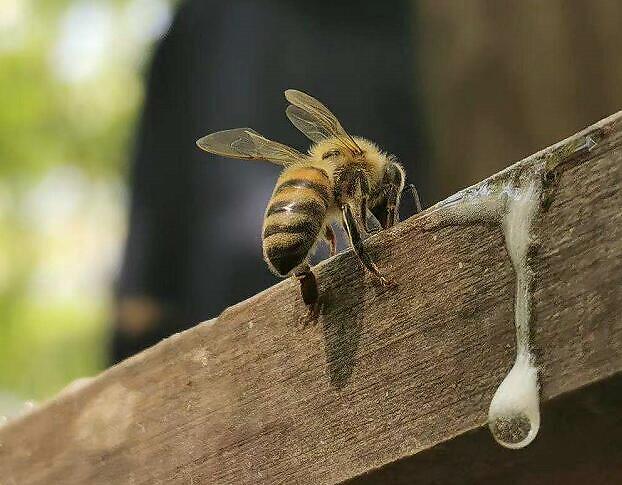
pixel 581 443
pixel 385 374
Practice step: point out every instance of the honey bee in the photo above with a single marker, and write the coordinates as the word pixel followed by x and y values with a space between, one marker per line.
pixel 342 179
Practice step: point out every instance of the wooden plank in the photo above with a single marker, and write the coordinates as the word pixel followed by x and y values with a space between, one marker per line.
pixel 386 373
pixel 580 443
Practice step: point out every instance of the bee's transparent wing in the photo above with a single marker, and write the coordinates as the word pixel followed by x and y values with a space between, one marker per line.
pixel 305 123
pixel 315 120
pixel 247 144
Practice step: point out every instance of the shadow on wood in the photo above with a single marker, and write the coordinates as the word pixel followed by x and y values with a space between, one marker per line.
pixel 342 320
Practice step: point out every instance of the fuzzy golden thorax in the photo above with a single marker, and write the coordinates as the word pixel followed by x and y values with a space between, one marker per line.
pixel 333 157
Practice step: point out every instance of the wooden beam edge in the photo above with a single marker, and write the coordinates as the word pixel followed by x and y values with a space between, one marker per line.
pixel 599 132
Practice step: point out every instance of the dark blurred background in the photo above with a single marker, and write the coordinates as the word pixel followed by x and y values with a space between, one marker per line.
pixel 115 231
pixel 194 242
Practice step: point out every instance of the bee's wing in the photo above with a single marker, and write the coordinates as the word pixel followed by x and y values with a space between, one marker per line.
pixel 247 144
pixel 316 121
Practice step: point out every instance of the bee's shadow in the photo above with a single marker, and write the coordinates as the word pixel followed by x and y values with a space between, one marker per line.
pixel 341 319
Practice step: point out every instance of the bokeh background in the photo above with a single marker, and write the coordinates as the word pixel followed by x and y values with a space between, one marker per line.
pixel 493 83
pixel 71 82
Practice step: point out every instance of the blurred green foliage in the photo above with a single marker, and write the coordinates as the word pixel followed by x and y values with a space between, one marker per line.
pixel 71 129
pixel 43 121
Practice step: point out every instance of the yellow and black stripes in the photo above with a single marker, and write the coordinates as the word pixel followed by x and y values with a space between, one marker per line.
pixel 320 188
pixel 311 208
pixel 295 217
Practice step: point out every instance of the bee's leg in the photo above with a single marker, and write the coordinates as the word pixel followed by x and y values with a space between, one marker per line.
pixel 364 208
pixel 329 235
pixel 364 188
pixel 309 292
pixel 361 184
pixel 394 182
pixel 415 195
pixel 393 216
pixel 352 228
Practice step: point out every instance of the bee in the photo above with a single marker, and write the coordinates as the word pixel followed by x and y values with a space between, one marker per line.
pixel 342 179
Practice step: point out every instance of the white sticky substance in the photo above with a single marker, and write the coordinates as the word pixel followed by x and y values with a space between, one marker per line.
pixel 482 204
pixel 514 413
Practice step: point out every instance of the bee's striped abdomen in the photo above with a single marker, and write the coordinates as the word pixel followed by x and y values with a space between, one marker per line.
pixel 295 217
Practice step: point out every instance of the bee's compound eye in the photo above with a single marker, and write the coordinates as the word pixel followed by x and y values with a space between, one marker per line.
pixel 330 153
